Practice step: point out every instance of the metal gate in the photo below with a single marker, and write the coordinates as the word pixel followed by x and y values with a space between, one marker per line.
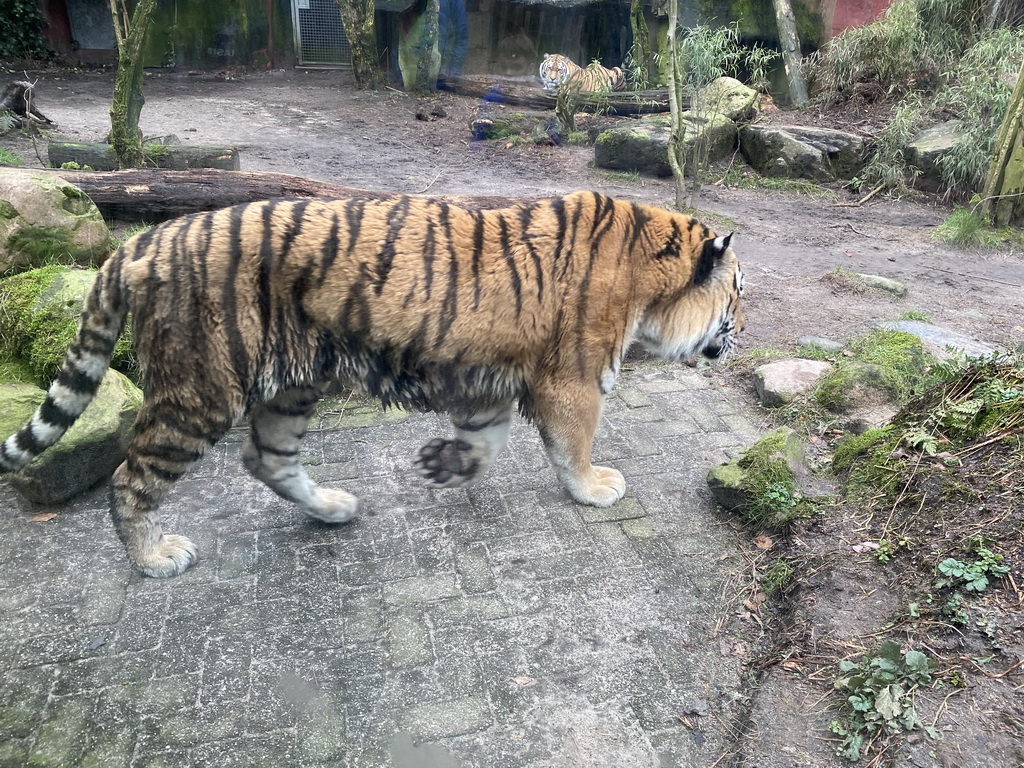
pixel 319 35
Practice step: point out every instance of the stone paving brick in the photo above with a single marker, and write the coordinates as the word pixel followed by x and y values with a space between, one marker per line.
pixel 499 625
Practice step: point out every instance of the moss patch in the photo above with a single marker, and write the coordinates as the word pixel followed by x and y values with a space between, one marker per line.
pixel 892 362
pixel 39 312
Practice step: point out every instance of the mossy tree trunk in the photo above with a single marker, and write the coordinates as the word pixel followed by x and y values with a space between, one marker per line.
pixel 1003 194
pixel 640 51
pixel 129 30
pixel 419 55
pixel 790 43
pixel 676 80
pixel 357 19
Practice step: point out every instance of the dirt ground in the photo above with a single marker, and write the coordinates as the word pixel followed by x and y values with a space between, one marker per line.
pixel 315 124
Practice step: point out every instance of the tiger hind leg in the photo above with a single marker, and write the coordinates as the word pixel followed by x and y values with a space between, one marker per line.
pixel 165 443
pixel 479 438
pixel 271 454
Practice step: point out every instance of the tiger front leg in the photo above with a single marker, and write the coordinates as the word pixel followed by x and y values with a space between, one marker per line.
pixel 567 417
pixel 478 440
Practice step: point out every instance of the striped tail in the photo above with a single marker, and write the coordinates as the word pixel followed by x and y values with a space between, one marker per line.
pixel 80 376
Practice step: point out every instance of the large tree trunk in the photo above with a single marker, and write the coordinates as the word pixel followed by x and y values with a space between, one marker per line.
pixel 357 19
pixel 640 51
pixel 790 43
pixel 153 195
pixel 125 136
pixel 1003 194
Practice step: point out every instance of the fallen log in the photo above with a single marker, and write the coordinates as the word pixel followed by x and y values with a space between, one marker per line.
pixel 179 157
pixel 152 195
pixel 534 97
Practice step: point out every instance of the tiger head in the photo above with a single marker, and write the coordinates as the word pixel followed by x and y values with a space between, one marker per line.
pixel 702 314
pixel 554 70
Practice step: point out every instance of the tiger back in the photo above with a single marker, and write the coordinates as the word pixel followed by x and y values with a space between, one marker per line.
pixel 557 70
pixel 255 310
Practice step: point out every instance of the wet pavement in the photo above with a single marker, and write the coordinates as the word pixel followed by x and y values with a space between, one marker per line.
pixel 501 625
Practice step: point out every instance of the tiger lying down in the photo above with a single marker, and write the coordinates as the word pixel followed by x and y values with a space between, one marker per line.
pixel 254 310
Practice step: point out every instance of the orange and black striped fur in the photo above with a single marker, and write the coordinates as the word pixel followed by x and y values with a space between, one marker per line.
pixel 557 70
pixel 252 310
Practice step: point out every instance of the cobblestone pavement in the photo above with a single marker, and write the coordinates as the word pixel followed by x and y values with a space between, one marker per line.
pixel 501 625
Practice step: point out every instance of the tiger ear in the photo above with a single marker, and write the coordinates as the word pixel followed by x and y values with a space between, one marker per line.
pixel 710 255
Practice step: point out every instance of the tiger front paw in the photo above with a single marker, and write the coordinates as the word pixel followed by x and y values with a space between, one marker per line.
pixel 446 463
pixel 603 488
pixel 171 556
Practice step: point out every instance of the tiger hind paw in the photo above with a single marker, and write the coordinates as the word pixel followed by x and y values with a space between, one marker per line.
pixel 446 463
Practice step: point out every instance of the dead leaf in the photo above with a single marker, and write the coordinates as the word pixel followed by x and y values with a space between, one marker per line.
pixel 523 681
pixel 763 542
pixel 44 517
pixel 865 546
pixel 791 666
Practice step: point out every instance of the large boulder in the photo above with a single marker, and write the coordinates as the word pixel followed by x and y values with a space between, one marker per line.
pixel 44 218
pixel 925 149
pixel 88 453
pixel 642 147
pixel 819 154
pixel 728 96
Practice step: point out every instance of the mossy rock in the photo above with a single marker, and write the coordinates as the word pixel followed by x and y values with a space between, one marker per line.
pixel 89 451
pixel 761 485
pixel 39 315
pixel 45 219
pixel 885 367
pixel 643 146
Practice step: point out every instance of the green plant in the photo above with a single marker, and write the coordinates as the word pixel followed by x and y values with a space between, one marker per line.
pixel 695 57
pixel 888 166
pixel 966 227
pixel 8 121
pixel 879 695
pixel 776 577
pixel 570 97
pixel 22 26
pixel 888 549
pixel 974 575
pixel 772 500
pixel 913 314
pixel 8 158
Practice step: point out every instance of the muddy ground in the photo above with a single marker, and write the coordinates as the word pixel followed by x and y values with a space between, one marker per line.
pixel 315 124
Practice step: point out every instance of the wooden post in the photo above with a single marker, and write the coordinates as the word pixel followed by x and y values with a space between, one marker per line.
pixel 790 43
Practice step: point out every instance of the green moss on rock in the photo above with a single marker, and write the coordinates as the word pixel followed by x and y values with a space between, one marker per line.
pixel 39 313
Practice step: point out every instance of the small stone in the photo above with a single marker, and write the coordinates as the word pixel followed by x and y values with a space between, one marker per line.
pixel 879 283
pixel 781 381
pixel 818 343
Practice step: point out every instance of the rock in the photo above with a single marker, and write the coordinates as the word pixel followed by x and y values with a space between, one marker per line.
pixel 642 147
pixel 40 317
pixel 88 453
pixel 860 420
pixel 726 484
pixel 942 343
pixel 498 121
pixel 781 381
pixel 854 385
pixel 886 284
pixel 819 154
pixel 827 346
pixel 745 485
pixel 925 149
pixel 728 96
pixel 43 218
